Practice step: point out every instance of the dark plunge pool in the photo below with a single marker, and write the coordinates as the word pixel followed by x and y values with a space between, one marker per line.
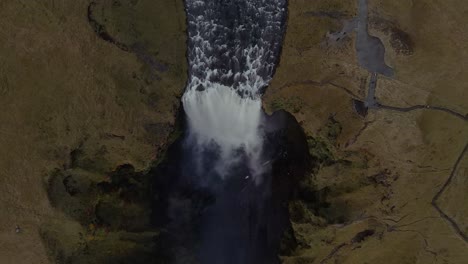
pixel 234 220
pixel 221 196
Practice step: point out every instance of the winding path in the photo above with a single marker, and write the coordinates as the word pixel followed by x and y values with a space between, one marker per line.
pixel 370 52
pixel 450 220
pixel 371 102
pixel 423 107
pixel 376 64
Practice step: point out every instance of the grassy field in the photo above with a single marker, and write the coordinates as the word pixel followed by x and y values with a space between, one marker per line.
pixel 80 98
pixel 373 196
pixel 63 88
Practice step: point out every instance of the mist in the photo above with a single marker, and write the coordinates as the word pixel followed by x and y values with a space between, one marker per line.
pixel 226 153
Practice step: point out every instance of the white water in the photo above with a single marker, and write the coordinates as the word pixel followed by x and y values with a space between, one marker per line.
pixel 228 69
pixel 220 116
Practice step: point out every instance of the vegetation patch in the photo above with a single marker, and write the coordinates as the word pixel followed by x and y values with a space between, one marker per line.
pixel 320 151
pixel 290 104
pixel 105 206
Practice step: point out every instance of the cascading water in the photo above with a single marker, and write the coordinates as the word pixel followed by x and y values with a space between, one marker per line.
pixel 222 194
pixel 233 49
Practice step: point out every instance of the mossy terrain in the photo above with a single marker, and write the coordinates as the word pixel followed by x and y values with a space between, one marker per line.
pixel 388 188
pixel 90 91
pixel 76 107
pixel 111 213
pixel 321 201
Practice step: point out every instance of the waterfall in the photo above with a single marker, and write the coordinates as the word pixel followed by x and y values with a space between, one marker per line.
pixel 233 47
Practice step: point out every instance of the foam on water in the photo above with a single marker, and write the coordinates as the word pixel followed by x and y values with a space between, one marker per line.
pixel 233 46
pixel 218 115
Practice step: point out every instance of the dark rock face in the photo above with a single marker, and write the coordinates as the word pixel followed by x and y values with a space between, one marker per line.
pixel 360 108
pixel 233 220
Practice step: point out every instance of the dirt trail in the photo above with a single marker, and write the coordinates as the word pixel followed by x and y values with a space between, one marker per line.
pixel 451 221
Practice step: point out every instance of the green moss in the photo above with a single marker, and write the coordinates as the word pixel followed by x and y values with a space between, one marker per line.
pixel 333 129
pixel 292 104
pixel 277 104
pixel 320 151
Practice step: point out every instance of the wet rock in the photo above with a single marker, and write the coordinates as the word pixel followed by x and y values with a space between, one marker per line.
pixel 360 108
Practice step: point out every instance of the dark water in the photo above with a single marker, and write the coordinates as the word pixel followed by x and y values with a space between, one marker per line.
pixel 370 50
pixel 232 218
pixel 230 221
